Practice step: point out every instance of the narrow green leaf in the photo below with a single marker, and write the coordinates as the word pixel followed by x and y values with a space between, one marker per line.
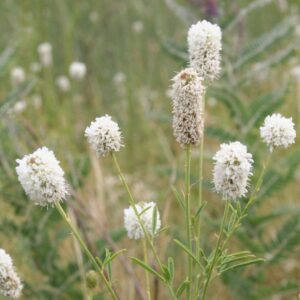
pixel 178 197
pixel 113 256
pixel 182 288
pixel 171 268
pixel 243 264
pixel 147 268
pixel 185 249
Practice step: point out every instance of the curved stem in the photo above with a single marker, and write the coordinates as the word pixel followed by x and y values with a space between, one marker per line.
pixel 85 249
pixel 212 266
pixel 188 217
pixel 146 234
pixel 148 288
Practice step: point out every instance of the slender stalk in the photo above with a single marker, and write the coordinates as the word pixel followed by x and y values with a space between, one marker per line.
pixel 146 234
pixel 85 249
pixel 200 196
pixel 212 266
pixel 188 216
pixel 148 288
pixel 200 200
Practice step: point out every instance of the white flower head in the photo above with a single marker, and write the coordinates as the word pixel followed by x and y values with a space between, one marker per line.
pixel 63 83
pixel 17 75
pixel 147 211
pixel 204 46
pixel 232 170
pixel 45 54
pixel 278 131
pixel 104 135
pixel 77 70
pixel 42 178
pixel 10 283
pixel 187 95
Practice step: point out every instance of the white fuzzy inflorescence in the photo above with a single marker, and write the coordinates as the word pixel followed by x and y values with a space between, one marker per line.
pixel 10 283
pixel 187 95
pixel 17 75
pixel 63 83
pixel 204 46
pixel 146 212
pixel 42 177
pixel 77 70
pixel 104 135
pixel 45 54
pixel 278 131
pixel 233 166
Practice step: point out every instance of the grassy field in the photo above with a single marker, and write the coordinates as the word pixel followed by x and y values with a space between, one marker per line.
pixel 132 48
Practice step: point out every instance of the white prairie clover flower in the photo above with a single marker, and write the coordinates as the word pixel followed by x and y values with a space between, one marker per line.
pixel 63 83
pixel 278 131
pixel 45 54
pixel 42 178
pixel 17 75
pixel 204 46
pixel 233 165
pixel 77 70
pixel 146 211
pixel 187 95
pixel 10 283
pixel 104 135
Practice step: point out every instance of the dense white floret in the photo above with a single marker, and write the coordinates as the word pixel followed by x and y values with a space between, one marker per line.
pixel 10 283
pixel 204 46
pixel 187 95
pixel 104 135
pixel 278 131
pixel 233 165
pixel 42 178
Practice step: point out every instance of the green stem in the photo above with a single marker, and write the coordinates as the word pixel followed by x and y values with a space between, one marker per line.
pixel 212 266
pixel 200 203
pixel 85 249
pixel 146 234
pixel 188 216
pixel 148 288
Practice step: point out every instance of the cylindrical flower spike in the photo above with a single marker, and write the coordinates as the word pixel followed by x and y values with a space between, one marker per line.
pixel 77 70
pixel 187 95
pixel 233 166
pixel 278 131
pixel 42 177
pixel 10 283
pixel 204 46
pixel 104 135
pixel 147 215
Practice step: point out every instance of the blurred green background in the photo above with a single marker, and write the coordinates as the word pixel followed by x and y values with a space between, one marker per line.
pixel 132 48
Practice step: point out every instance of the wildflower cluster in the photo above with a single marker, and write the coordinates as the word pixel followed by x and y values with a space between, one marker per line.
pixel 43 179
